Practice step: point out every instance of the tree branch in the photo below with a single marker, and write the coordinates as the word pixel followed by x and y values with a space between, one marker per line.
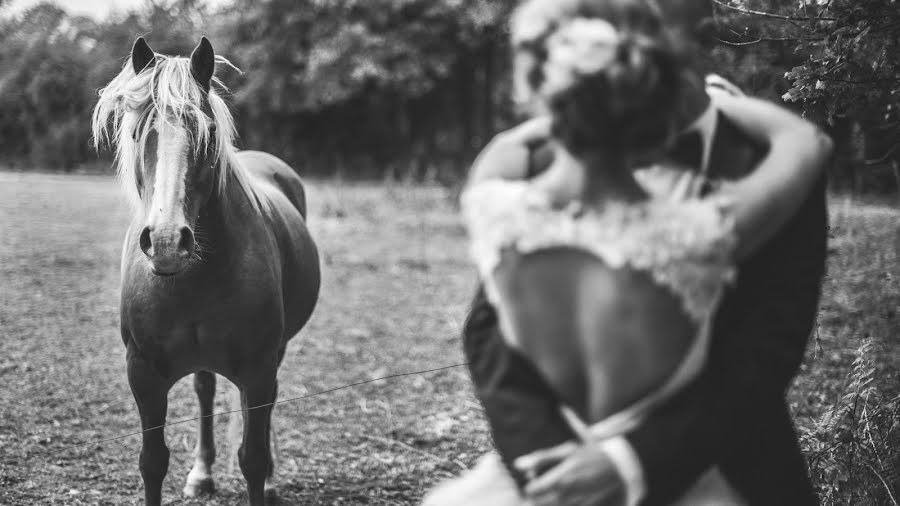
pixel 738 44
pixel 768 39
pixel 762 14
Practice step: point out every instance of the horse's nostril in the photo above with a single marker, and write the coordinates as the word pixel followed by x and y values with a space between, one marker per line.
pixel 146 244
pixel 186 244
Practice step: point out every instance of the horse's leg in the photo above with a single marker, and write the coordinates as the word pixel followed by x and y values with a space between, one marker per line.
pixel 150 391
pixel 257 391
pixel 272 444
pixel 199 480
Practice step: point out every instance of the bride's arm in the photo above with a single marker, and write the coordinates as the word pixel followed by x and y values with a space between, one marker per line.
pixel 764 201
pixel 507 156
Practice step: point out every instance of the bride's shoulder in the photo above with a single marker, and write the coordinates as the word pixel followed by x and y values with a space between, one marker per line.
pixel 493 199
pixel 694 227
pixel 499 214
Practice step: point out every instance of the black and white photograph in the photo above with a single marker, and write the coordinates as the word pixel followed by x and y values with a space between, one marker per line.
pixel 450 252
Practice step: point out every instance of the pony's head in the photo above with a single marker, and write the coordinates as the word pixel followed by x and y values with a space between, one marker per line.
pixel 173 137
pixel 608 72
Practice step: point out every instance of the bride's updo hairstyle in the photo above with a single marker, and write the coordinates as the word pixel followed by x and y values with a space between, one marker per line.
pixel 604 70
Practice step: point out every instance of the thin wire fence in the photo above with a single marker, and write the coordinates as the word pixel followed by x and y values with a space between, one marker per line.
pixel 282 401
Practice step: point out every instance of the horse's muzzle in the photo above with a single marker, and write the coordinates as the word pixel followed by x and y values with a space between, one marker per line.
pixel 169 250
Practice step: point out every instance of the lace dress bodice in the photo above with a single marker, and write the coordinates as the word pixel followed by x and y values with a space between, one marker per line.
pixel 686 245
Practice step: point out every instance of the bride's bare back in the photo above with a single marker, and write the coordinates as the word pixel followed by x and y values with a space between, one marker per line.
pixel 603 338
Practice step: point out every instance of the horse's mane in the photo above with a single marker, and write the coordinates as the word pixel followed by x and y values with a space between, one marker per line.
pixel 130 105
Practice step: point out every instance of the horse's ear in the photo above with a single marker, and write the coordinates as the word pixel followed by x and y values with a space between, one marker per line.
pixel 141 55
pixel 203 63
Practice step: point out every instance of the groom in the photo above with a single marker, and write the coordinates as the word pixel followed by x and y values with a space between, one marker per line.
pixel 735 416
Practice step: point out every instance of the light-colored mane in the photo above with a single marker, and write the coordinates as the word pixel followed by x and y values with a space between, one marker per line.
pixel 130 105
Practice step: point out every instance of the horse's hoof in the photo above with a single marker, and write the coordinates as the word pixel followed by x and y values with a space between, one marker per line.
pixel 199 486
pixel 271 492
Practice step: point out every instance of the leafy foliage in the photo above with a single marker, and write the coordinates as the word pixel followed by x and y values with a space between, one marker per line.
pixel 838 64
pixel 413 88
pixel 408 87
pixel 52 64
pixel 39 104
pixel 853 450
pixel 850 70
pixel 337 73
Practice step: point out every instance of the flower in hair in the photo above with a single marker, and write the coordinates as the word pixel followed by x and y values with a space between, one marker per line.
pixel 580 47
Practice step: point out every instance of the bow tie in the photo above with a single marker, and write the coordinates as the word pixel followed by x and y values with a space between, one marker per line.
pixel 688 150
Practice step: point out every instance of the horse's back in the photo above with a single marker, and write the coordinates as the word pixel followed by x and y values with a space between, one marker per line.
pixel 274 171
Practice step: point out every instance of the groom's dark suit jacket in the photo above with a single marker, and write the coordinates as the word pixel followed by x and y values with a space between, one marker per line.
pixel 735 416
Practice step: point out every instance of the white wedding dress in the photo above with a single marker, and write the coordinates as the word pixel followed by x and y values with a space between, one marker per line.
pixel 684 243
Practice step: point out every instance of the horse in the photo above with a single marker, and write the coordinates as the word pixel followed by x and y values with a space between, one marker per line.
pixel 219 269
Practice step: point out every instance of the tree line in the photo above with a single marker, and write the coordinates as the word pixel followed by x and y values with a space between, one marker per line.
pixel 414 88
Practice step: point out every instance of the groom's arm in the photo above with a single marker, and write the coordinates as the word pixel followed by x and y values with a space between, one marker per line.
pixel 759 340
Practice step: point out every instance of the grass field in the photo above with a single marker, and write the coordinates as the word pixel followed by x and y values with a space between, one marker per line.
pixel 395 289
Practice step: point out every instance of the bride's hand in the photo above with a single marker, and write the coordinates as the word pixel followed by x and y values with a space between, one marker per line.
pixel 578 474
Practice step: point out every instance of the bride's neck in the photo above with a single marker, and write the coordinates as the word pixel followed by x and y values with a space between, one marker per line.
pixel 595 180
pixel 608 178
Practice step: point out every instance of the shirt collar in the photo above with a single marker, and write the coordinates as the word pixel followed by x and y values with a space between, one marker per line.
pixel 705 125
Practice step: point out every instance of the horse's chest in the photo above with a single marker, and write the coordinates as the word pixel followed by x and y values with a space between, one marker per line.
pixel 197 322
pixel 180 345
pixel 200 330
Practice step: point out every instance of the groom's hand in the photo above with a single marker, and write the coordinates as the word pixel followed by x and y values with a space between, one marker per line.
pixel 578 475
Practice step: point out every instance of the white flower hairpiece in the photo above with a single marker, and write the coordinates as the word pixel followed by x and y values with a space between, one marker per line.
pixel 581 47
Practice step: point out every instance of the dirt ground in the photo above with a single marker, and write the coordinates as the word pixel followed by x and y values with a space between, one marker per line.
pixel 396 283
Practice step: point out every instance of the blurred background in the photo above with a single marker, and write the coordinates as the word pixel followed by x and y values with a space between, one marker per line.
pixel 412 89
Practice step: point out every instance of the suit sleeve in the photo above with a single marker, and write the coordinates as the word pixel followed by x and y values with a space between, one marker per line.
pixel 521 408
pixel 759 340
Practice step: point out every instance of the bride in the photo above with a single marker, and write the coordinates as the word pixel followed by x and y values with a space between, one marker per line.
pixel 607 289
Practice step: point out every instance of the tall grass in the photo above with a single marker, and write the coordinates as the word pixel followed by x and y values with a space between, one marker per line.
pixel 847 398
